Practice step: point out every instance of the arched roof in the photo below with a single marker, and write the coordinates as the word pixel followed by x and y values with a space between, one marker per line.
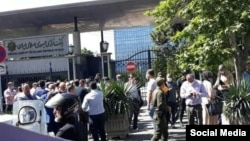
pixel 91 15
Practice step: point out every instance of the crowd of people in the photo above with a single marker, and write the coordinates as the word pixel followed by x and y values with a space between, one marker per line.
pixel 73 107
pixel 188 94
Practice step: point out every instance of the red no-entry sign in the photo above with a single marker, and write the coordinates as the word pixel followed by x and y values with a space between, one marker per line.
pixel 131 66
pixel 2 54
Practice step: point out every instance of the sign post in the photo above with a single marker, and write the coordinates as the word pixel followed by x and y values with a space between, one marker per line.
pixel 2 71
pixel 131 66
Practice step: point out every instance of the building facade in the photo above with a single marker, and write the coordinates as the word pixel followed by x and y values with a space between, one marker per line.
pixel 132 44
pixel 131 40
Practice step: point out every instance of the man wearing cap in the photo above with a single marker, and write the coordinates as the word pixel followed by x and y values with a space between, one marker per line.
pixel 161 110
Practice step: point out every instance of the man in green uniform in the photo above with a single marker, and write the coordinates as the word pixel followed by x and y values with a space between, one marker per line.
pixel 161 111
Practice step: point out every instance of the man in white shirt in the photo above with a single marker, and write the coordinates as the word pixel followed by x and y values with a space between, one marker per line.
pixel 135 101
pixel 9 95
pixel 93 103
pixel 151 86
pixel 192 90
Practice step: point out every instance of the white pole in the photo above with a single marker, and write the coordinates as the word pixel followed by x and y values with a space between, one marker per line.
pixel 68 69
pixel 109 66
pixel 102 65
pixel 74 68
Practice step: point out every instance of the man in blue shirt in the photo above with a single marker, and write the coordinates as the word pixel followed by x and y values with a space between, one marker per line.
pixel 40 91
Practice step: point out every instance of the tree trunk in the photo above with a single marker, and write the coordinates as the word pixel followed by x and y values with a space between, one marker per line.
pixel 240 56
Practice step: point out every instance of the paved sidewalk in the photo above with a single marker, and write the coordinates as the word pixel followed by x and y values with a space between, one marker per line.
pixel 145 131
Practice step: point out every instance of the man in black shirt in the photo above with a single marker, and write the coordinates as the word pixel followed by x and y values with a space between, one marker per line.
pixel 66 107
pixel 182 100
pixel 81 91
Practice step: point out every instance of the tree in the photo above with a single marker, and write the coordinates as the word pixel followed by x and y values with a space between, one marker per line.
pixel 214 31
pixel 160 64
pixel 164 61
pixel 86 52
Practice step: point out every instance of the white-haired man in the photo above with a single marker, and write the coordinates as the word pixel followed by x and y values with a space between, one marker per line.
pixel 192 90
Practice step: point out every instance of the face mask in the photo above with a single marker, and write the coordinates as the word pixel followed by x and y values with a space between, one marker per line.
pixel 169 79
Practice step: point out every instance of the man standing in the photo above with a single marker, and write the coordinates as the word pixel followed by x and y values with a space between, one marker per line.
pixel 81 91
pixel 182 100
pixel 131 85
pixel 40 91
pixel 172 98
pixel 246 75
pixel 161 111
pixel 26 93
pixel 192 90
pixel 93 103
pixel 66 107
pixel 9 95
pixel 151 86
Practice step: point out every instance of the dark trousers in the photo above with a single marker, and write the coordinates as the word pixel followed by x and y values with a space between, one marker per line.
pixel 171 117
pixel 161 131
pixel 97 127
pixel 182 108
pixel 134 112
pixel 221 95
pixel 8 108
pixel 194 112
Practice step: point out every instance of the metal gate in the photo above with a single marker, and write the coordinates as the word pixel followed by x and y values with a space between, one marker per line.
pixel 143 60
pixel 30 78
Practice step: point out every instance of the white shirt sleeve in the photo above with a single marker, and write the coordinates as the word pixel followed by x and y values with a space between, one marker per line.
pixel 85 104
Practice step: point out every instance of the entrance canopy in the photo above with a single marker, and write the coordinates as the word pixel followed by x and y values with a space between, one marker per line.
pixel 92 16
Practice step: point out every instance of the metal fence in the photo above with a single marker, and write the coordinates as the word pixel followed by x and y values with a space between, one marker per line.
pixel 30 78
pixel 143 60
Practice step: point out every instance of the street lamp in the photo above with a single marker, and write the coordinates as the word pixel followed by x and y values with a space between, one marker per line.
pixel 105 56
pixel 104 46
pixel 71 49
pixel 71 56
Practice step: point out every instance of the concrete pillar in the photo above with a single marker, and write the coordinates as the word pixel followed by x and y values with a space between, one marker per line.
pixel 106 66
pixel 77 42
pixel 77 51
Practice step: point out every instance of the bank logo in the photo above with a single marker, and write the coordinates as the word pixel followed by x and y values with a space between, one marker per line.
pixel 11 46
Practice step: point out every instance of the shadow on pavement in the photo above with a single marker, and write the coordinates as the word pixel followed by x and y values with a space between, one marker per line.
pixel 145 130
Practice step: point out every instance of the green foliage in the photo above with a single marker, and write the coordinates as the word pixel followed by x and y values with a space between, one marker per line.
pixel 237 104
pixel 141 77
pixel 165 60
pixel 86 52
pixel 160 65
pixel 209 30
pixel 115 98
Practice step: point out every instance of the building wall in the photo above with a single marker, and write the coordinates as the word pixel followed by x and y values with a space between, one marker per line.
pixel 131 40
pixel 37 65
